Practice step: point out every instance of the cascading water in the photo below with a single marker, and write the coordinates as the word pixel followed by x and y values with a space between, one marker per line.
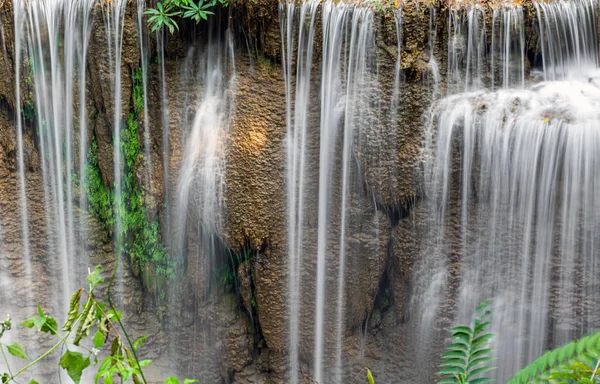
pixel 198 194
pixel 54 74
pixel 143 40
pixel 296 153
pixel 529 159
pixel 469 67
pixel 114 19
pixel 347 85
pixel 511 164
pixel 55 36
pixel 164 108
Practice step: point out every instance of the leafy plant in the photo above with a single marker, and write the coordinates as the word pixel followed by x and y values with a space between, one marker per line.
pixel 162 16
pixel 167 11
pixel 86 313
pixel 141 239
pixel 198 11
pixel 575 362
pixel 468 355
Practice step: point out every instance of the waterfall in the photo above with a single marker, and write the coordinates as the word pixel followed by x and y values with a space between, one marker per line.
pixel 510 176
pixel 114 19
pixel 427 167
pixel 346 85
pixel 164 108
pixel 19 20
pixel 51 40
pixel 143 40
pixel 296 154
pixel 58 59
pixel 198 194
pixel 469 67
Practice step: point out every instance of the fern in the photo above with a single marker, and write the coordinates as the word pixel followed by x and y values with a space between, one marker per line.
pixel 467 357
pixel 574 362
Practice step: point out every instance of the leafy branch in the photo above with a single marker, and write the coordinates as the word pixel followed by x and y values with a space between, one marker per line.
pixel 166 12
pixel 83 316
pixel 575 362
pixel 467 357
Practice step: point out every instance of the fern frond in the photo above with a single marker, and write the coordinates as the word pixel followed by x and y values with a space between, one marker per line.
pixel 468 355
pixel 570 363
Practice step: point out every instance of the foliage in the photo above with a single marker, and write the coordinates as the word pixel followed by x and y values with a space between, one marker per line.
pixel 468 355
pixel 575 362
pixel 100 199
pixel 120 363
pixel 140 236
pixel 167 10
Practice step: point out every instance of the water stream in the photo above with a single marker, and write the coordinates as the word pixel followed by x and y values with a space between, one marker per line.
pixel 504 206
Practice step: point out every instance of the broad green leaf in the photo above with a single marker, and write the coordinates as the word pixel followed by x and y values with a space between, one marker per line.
pixel 462 329
pixel 17 351
pixel 455 347
pixel 139 343
pixel 190 381
pixel 483 339
pixel 481 352
pixel 481 380
pixel 94 278
pixel 481 360
pixel 455 354
pixel 74 363
pixel 571 349
pixel 453 363
pixel 463 338
pixel 478 371
pixel 449 380
pixel 370 378
pixel 98 339
pixel 33 382
pixel 451 370
pixel 483 306
pixel 171 380
pixel 143 363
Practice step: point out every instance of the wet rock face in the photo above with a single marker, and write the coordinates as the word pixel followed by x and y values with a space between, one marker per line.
pixel 386 221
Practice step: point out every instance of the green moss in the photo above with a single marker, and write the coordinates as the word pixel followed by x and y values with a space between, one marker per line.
pixel 140 237
pixel 100 198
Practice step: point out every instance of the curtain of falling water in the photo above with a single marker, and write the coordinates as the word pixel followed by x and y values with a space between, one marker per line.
pixel 296 153
pixel 57 37
pixel 198 198
pixel 334 24
pixel 143 40
pixel 85 18
pixel 469 67
pixel 19 20
pixel 347 65
pixel 164 108
pixel 529 159
pixel 114 19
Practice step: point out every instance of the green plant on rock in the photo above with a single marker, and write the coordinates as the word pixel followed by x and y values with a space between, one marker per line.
pixel 87 315
pixel 163 16
pixel 100 199
pixel 166 12
pixel 576 362
pixel 468 355
pixel 139 236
